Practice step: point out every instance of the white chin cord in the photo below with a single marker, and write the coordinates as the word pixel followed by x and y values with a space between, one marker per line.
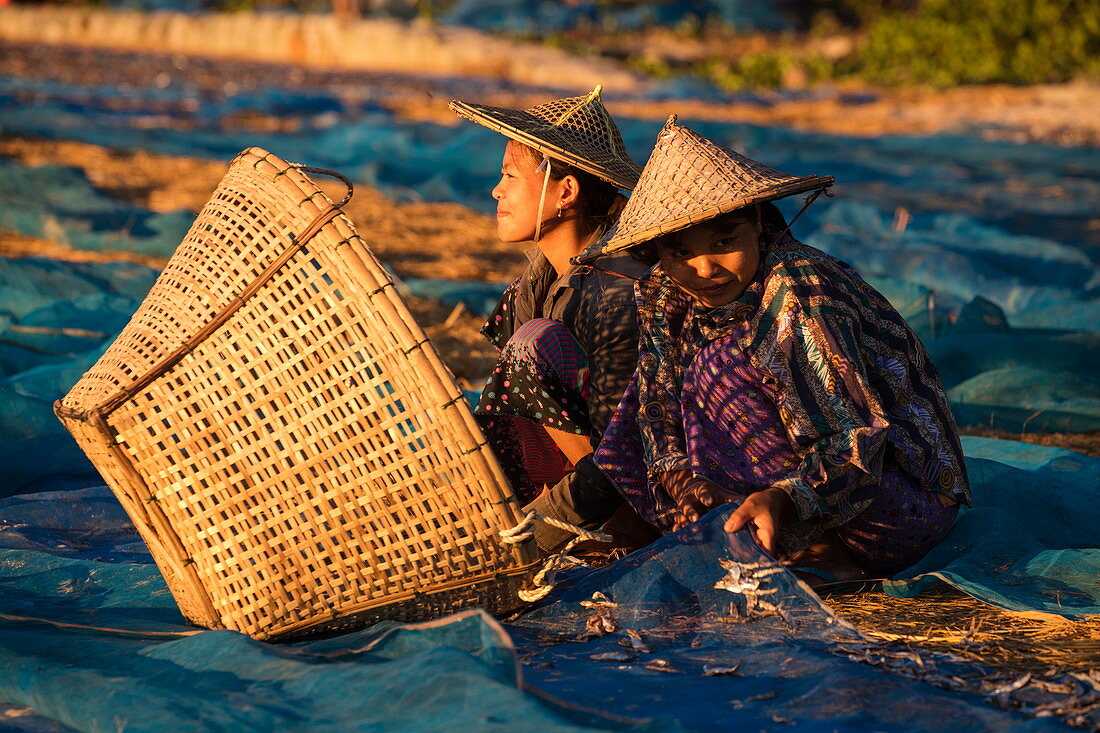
pixel 542 197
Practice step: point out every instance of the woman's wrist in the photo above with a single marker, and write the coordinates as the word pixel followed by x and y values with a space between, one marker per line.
pixel 781 502
pixel 675 483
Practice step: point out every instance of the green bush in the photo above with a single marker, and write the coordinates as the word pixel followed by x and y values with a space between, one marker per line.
pixel 765 69
pixel 948 42
pixel 940 43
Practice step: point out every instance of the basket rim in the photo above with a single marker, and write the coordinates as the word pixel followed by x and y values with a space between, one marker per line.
pixel 304 628
pixel 297 241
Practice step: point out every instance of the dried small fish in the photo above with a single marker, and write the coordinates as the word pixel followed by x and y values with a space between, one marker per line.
pixel 554 638
pixel 599 624
pixel 718 670
pixel 1090 678
pixel 738 704
pixel 614 657
pixel 746 578
pixel 601 621
pixel 762 696
pixel 660 665
pixel 633 640
pixel 1012 686
pixel 750 580
pixel 599 600
pixel 755 606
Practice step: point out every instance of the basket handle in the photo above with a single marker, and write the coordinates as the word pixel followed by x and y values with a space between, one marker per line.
pixel 333 174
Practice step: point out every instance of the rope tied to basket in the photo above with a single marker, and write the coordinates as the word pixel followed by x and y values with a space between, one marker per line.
pixel 525 530
pixel 543 581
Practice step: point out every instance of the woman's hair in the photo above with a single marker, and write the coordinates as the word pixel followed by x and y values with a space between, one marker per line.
pixel 646 253
pixel 598 201
pixel 649 253
pixel 729 219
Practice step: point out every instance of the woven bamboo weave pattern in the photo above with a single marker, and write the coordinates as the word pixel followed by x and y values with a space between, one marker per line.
pixel 577 130
pixel 689 179
pixel 284 436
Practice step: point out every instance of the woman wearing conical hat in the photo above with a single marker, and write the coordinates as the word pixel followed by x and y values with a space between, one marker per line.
pixel 567 335
pixel 772 375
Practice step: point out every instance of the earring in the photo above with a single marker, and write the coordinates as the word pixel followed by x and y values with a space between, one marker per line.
pixel 560 214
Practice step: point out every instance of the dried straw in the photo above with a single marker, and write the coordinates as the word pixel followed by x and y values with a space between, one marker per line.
pixel 947 620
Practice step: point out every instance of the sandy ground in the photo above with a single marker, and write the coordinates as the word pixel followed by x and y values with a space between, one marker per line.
pixel 1062 114
pixel 1066 114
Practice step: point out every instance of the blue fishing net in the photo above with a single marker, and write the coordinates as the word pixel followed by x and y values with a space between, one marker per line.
pixel 689 644
pixel 60 204
pixel 478 297
pixel 56 319
pixel 985 248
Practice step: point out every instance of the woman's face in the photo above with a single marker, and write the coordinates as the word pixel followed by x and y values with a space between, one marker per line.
pixel 714 261
pixel 518 193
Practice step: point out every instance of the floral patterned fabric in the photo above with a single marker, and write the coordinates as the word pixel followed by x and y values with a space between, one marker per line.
pixel 568 346
pixel 735 437
pixel 539 381
pixel 810 381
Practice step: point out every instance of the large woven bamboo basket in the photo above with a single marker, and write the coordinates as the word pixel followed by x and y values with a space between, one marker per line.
pixel 288 443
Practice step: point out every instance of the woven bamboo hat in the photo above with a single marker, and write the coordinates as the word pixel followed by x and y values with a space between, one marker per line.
pixel 577 130
pixel 689 179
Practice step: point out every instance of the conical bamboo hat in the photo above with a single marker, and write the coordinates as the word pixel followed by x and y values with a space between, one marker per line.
pixel 577 130
pixel 689 179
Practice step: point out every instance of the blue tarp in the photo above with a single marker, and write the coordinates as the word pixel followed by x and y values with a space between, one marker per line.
pixel 539 17
pixel 1030 542
pixel 670 647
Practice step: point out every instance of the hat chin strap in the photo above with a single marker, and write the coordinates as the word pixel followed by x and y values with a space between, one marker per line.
pixel 542 197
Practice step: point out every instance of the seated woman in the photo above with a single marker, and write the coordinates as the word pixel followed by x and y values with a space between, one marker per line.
pixel 568 335
pixel 772 375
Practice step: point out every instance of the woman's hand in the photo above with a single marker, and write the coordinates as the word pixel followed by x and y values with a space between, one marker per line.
pixel 765 511
pixel 694 495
